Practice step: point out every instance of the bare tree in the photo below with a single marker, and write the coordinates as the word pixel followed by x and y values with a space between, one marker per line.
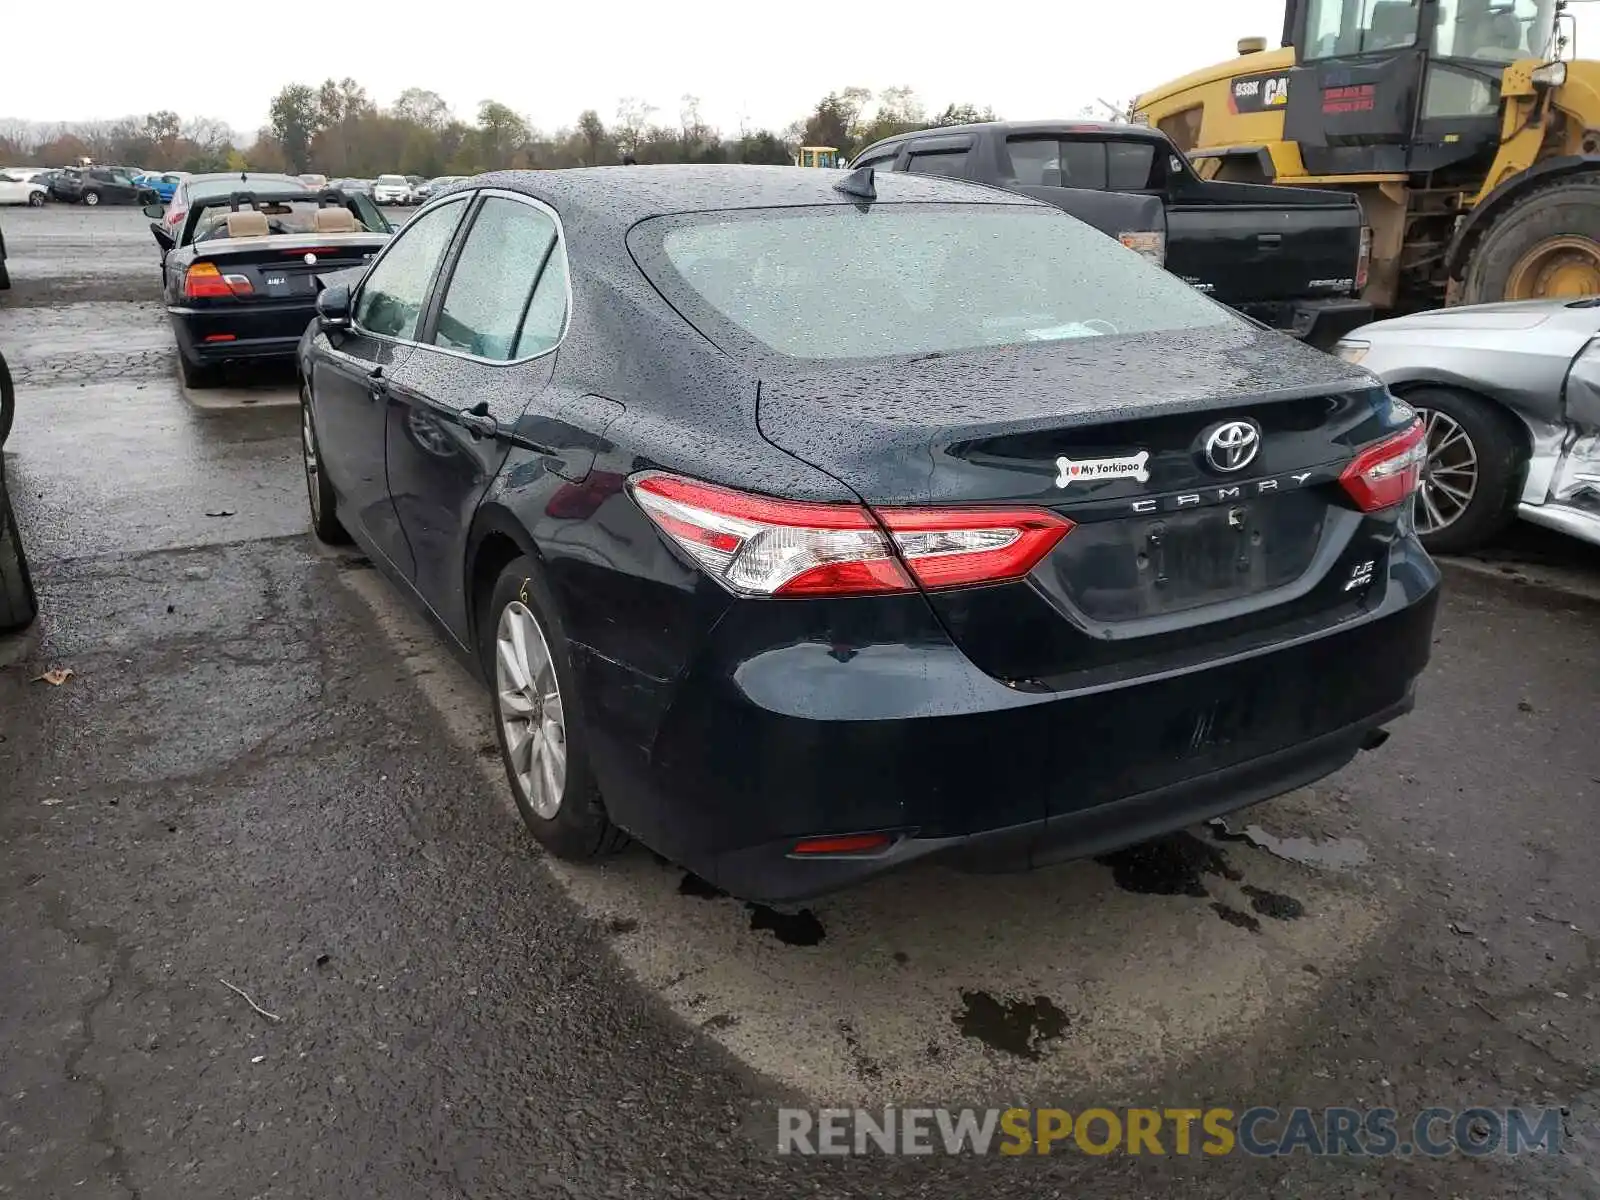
pixel 633 118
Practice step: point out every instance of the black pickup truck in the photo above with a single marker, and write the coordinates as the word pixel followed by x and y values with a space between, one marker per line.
pixel 1292 258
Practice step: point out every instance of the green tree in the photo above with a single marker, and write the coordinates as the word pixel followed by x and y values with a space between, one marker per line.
pixel 421 107
pixel 501 134
pixel 592 130
pixel 294 120
pixel 964 114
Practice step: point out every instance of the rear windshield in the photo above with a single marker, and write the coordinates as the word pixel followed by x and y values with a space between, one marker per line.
pixel 834 283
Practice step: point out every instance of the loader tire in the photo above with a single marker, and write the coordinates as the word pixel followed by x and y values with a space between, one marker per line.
pixel 1546 245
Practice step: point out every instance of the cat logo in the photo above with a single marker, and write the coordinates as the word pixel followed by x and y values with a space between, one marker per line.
pixel 1258 93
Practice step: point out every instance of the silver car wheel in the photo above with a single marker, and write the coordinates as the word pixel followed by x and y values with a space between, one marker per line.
pixel 1449 474
pixel 308 444
pixel 532 719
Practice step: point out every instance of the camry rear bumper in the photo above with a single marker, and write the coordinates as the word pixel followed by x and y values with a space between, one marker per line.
pixel 769 740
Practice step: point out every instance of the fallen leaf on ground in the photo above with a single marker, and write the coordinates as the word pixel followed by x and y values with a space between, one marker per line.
pixel 55 676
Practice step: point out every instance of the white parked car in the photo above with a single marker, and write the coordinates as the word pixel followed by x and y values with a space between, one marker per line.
pixel 16 190
pixel 391 189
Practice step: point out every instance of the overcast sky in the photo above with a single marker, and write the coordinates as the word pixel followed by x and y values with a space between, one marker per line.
pixel 745 61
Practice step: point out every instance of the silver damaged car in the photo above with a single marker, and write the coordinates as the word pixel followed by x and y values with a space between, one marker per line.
pixel 1511 397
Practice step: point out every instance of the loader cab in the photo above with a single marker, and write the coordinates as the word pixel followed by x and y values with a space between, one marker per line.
pixel 1387 86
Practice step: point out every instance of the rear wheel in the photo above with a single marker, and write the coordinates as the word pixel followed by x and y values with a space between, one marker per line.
pixel 1473 471
pixel 8 402
pixel 325 521
pixel 91 198
pixel 196 375
pixel 537 717
pixel 1546 246
pixel 18 605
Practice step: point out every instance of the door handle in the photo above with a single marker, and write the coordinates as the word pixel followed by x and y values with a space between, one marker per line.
pixel 1269 239
pixel 377 385
pixel 478 422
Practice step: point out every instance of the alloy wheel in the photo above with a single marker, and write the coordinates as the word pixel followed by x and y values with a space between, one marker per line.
pixel 1449 474
pixel 308 444
pixel 532 718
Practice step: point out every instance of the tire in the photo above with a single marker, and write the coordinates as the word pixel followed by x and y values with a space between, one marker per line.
pixel 577 828
pixel 18 604
pixel 1565 207
pixel 91 198
pixel 319 492
pixel 1501 460
pixel 35 199
pixel 8 402
pixel 196 375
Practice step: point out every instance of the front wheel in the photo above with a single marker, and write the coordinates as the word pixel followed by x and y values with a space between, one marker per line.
pixel 91 198
pixel 8 402
pixel 1547 245
pixel 1473 471
pixel 18 604
pixel 325 521
pixel 537 717
pixel 35 199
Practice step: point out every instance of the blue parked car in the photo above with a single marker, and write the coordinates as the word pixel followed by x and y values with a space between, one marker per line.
pixel 162 185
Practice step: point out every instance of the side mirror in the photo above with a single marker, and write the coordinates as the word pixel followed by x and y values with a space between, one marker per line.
pixel 155 211
pixel 333 308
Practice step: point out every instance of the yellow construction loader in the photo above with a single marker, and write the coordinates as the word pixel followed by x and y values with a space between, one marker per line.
pixel 1473 147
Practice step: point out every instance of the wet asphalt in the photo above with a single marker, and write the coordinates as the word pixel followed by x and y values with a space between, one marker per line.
pixel 264 775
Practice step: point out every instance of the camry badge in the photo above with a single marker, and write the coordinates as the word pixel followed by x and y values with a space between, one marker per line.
pixel 1089 470
pixel 1232 445
pixel 311 260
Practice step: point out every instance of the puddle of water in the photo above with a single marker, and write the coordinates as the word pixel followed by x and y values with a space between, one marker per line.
pixel 1309 852
pixel 1274 904
pixel 1019 1027
pixel 1167 866
pixel 1234 917
pixel 792 929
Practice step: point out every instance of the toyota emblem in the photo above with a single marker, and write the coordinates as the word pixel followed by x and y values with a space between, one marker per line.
pixel 1232 445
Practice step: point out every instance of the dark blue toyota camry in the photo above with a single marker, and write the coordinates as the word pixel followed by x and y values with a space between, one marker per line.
pixel 803 525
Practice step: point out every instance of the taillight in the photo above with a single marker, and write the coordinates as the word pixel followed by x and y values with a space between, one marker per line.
pixel 1383 475
pixel 1148 244
pixel 1364 258
pixel 204 280
pixel 760 546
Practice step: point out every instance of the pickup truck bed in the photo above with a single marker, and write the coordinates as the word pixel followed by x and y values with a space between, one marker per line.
pixel 1292 258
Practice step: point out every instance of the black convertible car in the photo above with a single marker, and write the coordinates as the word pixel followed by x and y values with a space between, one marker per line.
pixel 241 269
pixel 805 524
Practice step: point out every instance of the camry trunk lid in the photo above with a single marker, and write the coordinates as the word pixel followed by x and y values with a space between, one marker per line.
pixel 1200 470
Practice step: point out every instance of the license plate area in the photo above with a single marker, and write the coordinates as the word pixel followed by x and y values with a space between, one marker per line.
pixel 1148 566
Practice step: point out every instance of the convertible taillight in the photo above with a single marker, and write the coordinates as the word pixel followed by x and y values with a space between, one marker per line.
pixel 204 280
pixel 761 546
pixel 1384 474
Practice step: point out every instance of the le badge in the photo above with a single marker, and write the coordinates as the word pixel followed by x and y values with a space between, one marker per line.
pixel 1090 470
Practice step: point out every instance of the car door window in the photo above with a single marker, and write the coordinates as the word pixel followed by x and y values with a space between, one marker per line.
pixel 938 162
pixel 1133 167
pixel 492 296
pixel 392 294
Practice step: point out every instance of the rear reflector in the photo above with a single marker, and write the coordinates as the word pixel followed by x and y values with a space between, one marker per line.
pixel 849 843
pixel 760 546
pixel 1384 474
pixel 219 337
pixel 204 280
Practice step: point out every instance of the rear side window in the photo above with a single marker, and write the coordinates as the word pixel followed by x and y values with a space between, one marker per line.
pixel 497 281
pixel 392 293
pixel 832 283
pixel 938 162
pixel 1132 167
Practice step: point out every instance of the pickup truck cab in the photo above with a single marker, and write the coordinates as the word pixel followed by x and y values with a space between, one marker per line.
pixel 1291 258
